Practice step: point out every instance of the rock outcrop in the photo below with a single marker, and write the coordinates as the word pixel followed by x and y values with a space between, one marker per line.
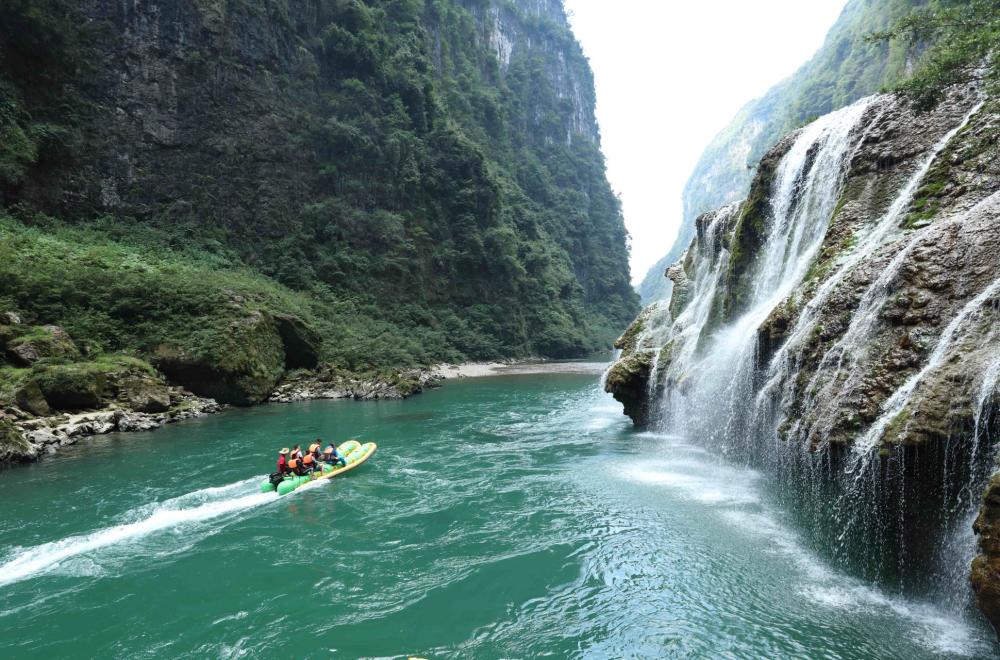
pixel 329 383
pixel 239 363
pixel 27 345
pixel 14 447
pixel 628 378
pixel 43 436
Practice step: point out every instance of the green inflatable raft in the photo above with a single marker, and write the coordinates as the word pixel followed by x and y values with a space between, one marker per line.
pixel 354 454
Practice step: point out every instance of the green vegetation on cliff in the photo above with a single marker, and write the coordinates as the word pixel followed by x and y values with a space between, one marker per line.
pixel 962 36
pixel 410 181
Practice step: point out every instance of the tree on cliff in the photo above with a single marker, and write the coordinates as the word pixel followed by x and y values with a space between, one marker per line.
pixel 964 37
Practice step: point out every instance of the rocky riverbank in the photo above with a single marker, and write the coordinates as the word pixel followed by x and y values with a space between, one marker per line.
pixel 25 437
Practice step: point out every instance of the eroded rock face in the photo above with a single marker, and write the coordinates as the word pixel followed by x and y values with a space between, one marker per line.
pixel 985 576
pixel 241 365
pixel 883 347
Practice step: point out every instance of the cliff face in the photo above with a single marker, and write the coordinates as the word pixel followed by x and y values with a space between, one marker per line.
pixel 844 69
pixel 407 182
pixel 849 309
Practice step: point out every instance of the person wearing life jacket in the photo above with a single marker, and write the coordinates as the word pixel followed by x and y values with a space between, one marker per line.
pixel 296 452
pixel 298 467
pixel 332 456
pixel 315 450
pixel 311 464
pixel 283 461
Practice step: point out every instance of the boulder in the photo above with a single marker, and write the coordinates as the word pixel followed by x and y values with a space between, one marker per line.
pixel 628 382
pixel 42 342
pixel 9 318
pixel 133 421
pixel 144 394
pixel 301 342
pixel 14 447
pixel 239 363
pixel 29 397
pixel 71 386
pixel 42 438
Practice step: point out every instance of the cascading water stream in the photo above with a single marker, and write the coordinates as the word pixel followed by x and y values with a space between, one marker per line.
pixel 783 363
pixel 899 399
pixel 718 370
pixel 715 388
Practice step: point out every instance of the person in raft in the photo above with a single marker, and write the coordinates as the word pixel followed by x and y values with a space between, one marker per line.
pixel 316 450
pixel 299 468
pixel 333 457
pixel 296 453
pixel 283 468
pixel 312 464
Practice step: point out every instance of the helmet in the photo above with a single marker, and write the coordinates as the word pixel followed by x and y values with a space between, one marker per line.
pixel 294 463
pixel 283 451
pixel 313 447
pixel 308 460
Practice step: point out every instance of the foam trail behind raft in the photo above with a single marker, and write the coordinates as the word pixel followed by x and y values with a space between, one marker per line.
pixel 195 507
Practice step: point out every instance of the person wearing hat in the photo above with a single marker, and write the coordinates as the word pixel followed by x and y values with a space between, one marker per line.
pixel 283 462
pixel 332 456
pixel 296 453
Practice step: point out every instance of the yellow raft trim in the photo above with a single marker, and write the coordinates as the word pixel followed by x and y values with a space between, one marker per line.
pixel 369 452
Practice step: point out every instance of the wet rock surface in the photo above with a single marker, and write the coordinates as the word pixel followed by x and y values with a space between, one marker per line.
pixel 891 340
pixel 46 435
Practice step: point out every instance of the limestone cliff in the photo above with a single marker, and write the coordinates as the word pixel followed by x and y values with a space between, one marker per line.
pixel 413 183
pixel 849 309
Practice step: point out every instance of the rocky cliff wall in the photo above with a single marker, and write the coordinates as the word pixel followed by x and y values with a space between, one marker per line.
pixel 882 351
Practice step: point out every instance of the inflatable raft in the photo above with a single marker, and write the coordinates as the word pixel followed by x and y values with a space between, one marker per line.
pixel 354 454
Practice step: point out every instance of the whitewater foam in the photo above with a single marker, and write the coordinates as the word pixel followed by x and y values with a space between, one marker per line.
pixel 48 558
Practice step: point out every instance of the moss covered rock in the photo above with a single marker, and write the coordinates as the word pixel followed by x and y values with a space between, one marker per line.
pixel 14 448
pixel 143 393
pixel 78 386
pixel 32 344
pixel 238 363
pixel 30 398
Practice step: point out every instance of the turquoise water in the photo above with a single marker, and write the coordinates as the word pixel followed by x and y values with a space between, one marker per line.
pixel 517 516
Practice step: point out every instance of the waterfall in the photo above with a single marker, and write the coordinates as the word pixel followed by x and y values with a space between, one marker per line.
pixel 717 382
pixel 715 373
pixel 852 341
pixel 901 397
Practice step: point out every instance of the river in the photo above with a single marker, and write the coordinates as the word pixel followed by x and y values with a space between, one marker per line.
pixel 511 516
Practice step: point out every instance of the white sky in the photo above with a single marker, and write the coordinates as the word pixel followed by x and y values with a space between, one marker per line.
pixel 670 75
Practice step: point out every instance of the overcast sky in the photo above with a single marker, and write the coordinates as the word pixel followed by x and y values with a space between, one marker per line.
pixel 670 75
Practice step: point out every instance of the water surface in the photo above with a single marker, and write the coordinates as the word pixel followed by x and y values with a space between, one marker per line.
pixel 514 516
